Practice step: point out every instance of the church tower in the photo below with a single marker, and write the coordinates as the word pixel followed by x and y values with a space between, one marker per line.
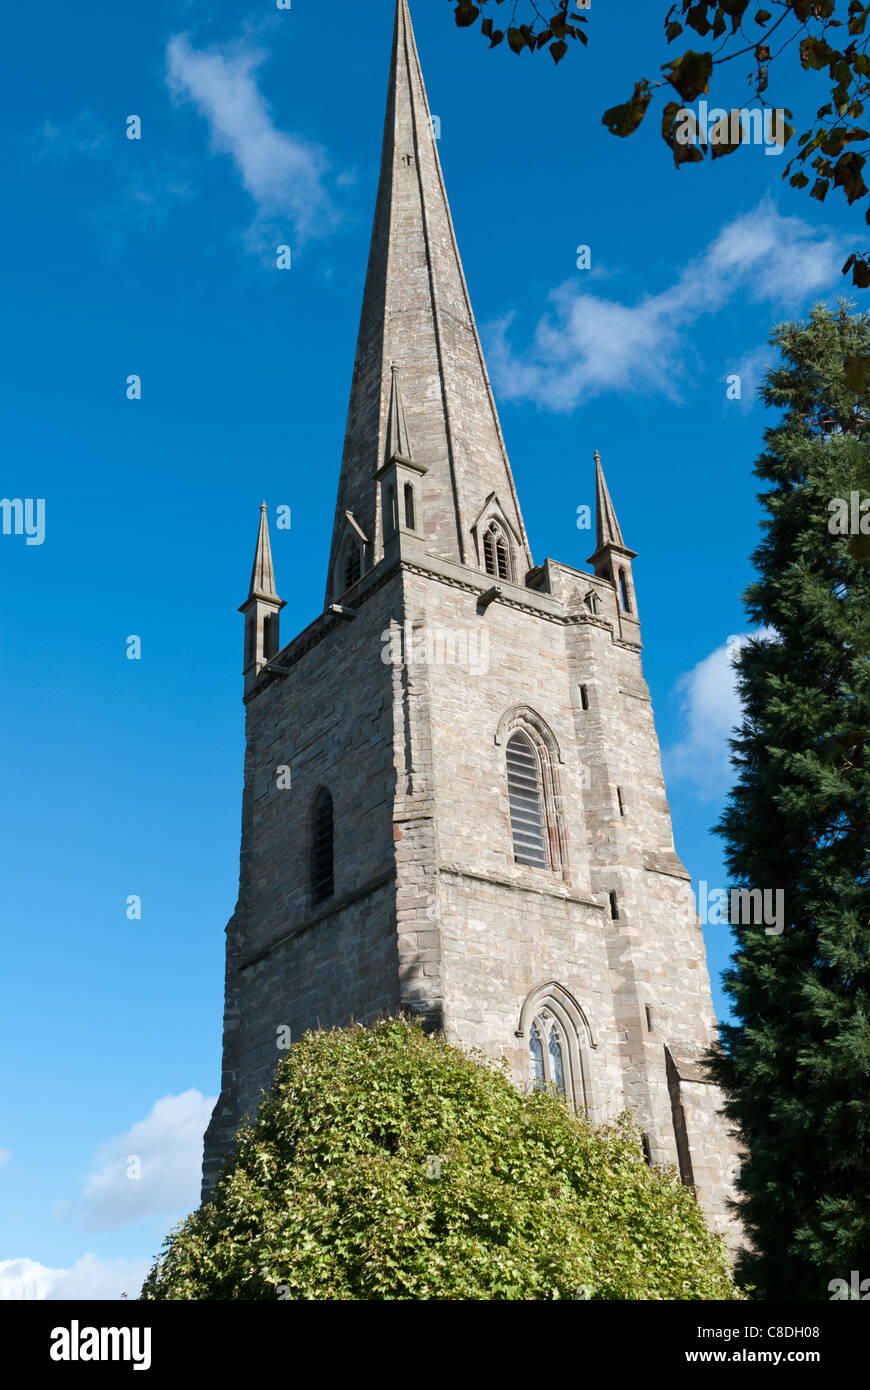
pixel 454 802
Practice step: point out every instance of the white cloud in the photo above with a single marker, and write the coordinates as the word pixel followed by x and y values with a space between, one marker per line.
pixel 283 173
pixel 711 710
pixel 5 1155
pixel 587 345
pixel 168 1147
pixel 89 1278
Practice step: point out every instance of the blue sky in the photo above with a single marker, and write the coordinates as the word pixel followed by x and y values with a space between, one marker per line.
pixel 156 258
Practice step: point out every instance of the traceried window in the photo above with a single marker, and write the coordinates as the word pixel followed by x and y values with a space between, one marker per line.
pixel 525 796
pixel 559 1039
pixel 496 552
pixel 548 1053
pixel 322 848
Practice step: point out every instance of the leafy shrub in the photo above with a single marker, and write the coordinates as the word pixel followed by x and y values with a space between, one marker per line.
pixel 386 1164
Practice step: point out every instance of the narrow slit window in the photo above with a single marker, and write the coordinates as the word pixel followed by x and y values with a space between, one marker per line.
pixel 649 1018
pixel 525 796
pixel 409 507
pixel 623 589
pixel 352 565
pixel 620 800
pixel 270 636
pixel 322 849
pixel 614 907
pixel 250 641
pixel 584 697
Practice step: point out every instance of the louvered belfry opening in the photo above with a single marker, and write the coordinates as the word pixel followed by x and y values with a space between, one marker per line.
pixel 322 873
pixel 496 556
pixel 525 794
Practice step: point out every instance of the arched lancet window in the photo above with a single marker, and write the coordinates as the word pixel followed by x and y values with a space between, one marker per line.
pixel 526 800
pixel 409 506
pixel 559 1040
pixel 322 848
pixel 496 552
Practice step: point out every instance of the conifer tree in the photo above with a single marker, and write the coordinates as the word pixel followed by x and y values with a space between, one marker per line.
pixel 795 1064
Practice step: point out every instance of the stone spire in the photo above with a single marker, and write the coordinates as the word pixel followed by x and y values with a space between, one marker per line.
pixel 263 573
pixel 416 311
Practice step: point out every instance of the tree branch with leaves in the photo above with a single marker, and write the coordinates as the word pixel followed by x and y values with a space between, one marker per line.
pixel 829 36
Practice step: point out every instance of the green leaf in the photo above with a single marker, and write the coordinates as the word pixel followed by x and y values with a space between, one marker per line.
pixel 624 120
pixel 466 13
pixel 558 50
pixel 690 74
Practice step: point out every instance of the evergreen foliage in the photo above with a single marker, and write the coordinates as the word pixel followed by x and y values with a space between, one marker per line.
pixel 796 1065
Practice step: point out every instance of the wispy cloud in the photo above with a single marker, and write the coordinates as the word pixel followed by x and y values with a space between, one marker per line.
pixel 81 135
pixel 152 1170
pixel 711 711
pixel 5 1155
pixel 130 191
pixel 284 174
pixel 587 345
pixel 89 1278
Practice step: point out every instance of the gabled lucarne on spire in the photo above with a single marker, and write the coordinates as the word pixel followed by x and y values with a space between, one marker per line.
pixel 416 311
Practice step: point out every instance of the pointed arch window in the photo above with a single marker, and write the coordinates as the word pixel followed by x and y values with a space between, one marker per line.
pixel 526 800
pixel 322 848
pixel 560 1044
pixel 497 557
